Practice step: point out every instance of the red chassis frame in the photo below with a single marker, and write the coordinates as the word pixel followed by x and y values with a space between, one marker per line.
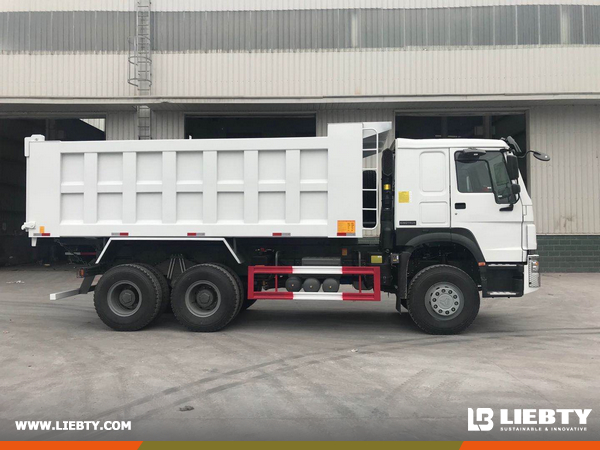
pixel 279 294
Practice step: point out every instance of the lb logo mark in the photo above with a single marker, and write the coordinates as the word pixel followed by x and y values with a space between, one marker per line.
pixel 482 420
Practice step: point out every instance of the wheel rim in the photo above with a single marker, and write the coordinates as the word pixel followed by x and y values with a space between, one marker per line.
pixel 124 298
pixel 444 301
pixel 202 298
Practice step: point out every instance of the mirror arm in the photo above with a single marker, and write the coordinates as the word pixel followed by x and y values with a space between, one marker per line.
pixel 528 152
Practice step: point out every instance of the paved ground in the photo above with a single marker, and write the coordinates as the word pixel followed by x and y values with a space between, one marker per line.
pixel 288 370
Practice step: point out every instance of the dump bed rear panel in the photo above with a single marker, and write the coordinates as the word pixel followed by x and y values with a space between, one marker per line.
pixel 225 187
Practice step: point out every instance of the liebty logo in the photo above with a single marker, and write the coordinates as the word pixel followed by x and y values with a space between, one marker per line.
pixel 529 419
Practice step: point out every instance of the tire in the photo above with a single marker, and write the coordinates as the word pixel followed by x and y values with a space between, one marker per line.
pixel 205 298
pixel 128 297
pixel 246 302
pixel 240 284
pixel 164 286
pixel 443 299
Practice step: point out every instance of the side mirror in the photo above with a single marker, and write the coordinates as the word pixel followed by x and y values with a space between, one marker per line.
pixel 512 166
pixel 541 156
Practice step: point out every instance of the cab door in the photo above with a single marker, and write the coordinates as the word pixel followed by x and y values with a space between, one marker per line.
pixel 480 204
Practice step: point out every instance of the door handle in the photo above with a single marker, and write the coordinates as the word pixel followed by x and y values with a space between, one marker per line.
pixel 460 206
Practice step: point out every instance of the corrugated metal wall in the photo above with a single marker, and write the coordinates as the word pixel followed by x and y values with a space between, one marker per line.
pixel 69 5
pixel 168 125
pixel 256 5
pixel 476 72
pixel 165 125
pixel 66 31
pixel 303 30
pixel 566 190
pixel 317 76
pixel 121 125
pixel 342 29
pixel 64 75
pixel 261 5
pixel 228 66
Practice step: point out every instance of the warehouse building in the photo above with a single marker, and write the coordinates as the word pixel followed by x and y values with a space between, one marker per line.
pixel 167 69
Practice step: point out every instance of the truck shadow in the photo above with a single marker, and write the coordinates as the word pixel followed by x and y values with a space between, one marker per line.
pixel 339 321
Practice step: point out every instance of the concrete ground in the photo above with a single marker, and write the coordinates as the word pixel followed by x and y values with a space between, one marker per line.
pixel 286 370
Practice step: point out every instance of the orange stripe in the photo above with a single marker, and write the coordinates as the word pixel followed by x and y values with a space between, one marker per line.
pixel 71 445
pixel 529 445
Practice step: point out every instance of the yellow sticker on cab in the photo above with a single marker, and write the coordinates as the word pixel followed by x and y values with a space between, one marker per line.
pixel 346 226
pixel 404 197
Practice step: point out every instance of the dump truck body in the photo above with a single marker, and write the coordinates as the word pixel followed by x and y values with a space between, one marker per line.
pixel 224 187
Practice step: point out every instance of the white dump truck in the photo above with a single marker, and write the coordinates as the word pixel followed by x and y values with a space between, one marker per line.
pixel 208 227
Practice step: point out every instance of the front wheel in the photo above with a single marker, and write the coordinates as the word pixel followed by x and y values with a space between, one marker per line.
pixel 443 299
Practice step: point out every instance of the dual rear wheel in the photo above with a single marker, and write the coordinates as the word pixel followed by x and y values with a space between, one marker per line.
pixel 205 297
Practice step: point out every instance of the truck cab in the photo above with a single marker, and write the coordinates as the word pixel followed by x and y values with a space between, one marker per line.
pixel 464 200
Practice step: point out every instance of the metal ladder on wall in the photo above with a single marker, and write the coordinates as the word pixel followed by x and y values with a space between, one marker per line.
pixel 371 194
pixel 140 64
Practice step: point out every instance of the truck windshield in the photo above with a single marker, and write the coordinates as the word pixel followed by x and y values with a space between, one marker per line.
pixel 486 174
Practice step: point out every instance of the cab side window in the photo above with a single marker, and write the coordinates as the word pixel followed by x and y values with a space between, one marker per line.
pixel 473 176
pixel 485 174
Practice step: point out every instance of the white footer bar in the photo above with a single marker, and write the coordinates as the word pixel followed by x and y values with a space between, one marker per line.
pixel 318 296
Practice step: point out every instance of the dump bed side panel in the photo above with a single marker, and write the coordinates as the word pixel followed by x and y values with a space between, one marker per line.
pixel 226 187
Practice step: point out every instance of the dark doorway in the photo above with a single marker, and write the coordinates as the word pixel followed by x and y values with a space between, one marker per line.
pixel 250 126
pixel 483 126
pixel 15 247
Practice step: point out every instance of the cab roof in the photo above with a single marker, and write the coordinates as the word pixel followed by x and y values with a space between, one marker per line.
pixel 450 143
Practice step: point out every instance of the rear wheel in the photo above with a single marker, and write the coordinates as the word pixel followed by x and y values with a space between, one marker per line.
pixel 443 300
pixel 242 306
pixel 128 297
pixel 205 298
